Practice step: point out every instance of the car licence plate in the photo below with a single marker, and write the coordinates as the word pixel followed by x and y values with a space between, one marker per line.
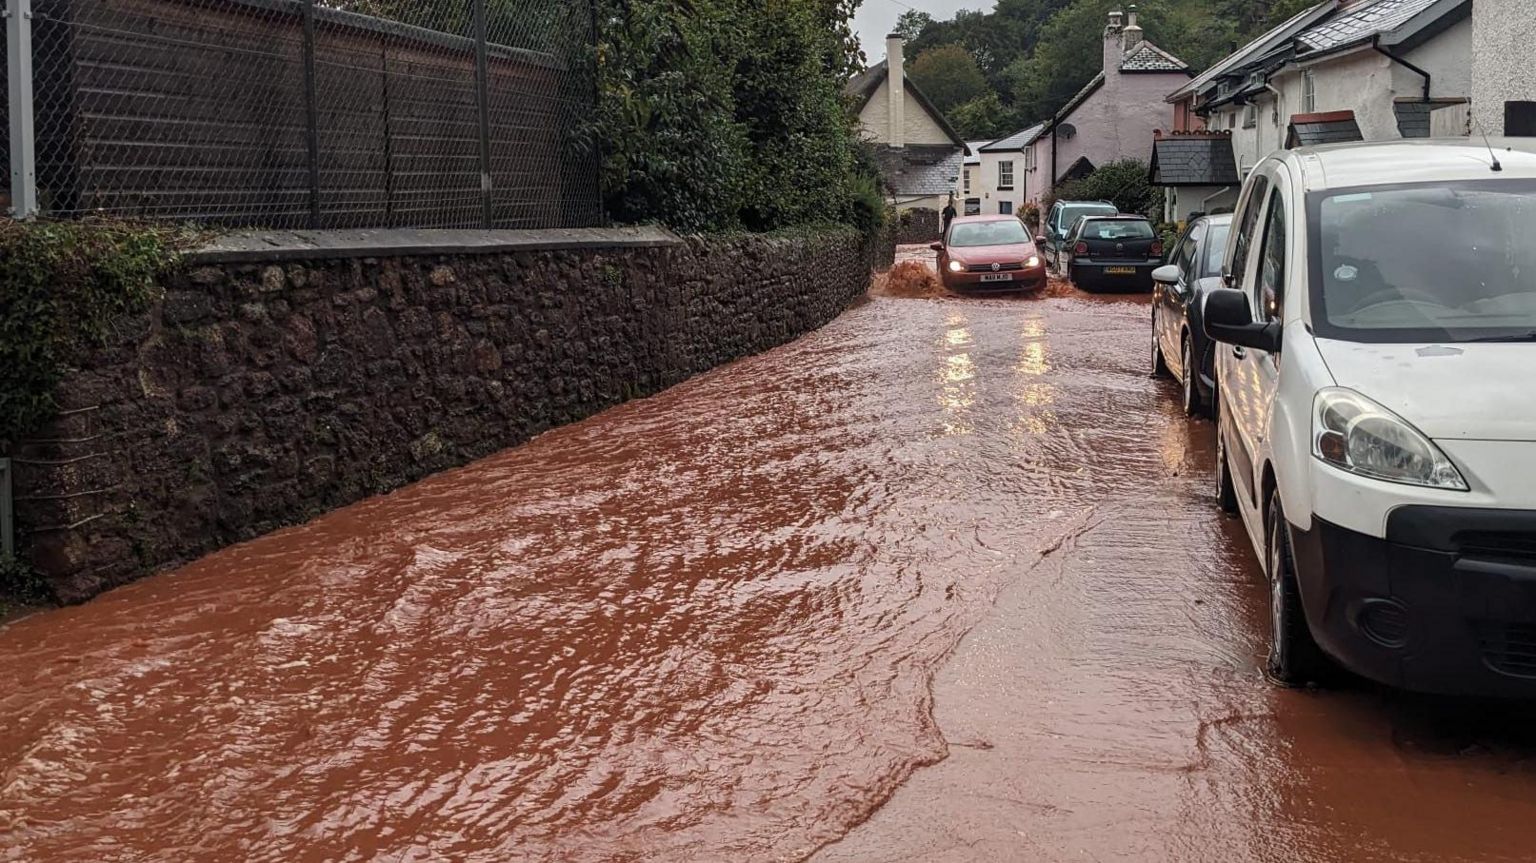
pixel 997 277
pixel 1120 271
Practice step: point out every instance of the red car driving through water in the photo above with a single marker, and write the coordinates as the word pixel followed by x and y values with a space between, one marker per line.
pixel 989 253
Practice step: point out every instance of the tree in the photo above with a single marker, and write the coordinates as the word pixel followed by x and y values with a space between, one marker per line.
pixel 985 118
pixel 948 75
pixel 912 23
pixel 1124 183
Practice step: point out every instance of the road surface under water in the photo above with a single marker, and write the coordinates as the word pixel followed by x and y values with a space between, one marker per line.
pixel 940 581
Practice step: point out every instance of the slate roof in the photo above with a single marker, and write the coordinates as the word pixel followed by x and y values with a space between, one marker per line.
pixel 1256 48
pixel 973 151
pixel 1413 118
pixel 1017 141
pixel 863 86
pixel 1079 98
pixel 1360 23
pixel 1193 160
pixel 920 169
pixel 1308 130
pixel 1147 57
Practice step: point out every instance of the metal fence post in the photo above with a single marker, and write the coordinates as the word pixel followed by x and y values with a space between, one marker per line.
pixel 483 96
pixel 18 38
pixel 312 113
pixel 7 513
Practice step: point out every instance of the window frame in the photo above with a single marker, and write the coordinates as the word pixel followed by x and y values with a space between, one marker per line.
pixel 1235 267
pixel 1001 185
pixel 1308 92
pixel 1269 300
pixel 965 183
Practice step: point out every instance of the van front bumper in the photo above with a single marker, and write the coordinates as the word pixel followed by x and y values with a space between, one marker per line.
pixel 1446 603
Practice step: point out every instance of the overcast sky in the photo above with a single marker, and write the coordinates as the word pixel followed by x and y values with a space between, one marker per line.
pixel 877 17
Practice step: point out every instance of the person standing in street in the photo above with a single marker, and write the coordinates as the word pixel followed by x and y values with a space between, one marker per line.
pixel 949 215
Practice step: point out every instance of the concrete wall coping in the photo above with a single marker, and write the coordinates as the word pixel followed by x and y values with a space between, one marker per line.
pixel 269 246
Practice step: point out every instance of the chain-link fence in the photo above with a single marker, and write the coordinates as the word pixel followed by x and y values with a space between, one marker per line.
pixel 293 113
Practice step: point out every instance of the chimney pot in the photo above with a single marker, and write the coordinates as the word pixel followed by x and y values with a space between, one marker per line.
pixel 1115 19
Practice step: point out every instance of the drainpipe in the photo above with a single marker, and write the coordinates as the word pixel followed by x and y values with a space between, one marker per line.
pixel 1279 107
pixel 1376 43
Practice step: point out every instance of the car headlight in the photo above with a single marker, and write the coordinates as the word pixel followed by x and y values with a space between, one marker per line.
pixel 1033 262
pixel 1353 433
pixel 956 266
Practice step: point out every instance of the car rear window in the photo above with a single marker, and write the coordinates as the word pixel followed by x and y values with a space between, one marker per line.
pixel 1117 229
pixel 1071 212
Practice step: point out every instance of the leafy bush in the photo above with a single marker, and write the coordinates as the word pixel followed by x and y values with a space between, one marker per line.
pixel 718 115
pixel 62 284
pixel 1123 183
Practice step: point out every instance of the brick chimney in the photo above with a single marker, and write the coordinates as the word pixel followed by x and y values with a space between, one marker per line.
pixel 1132 33
pixel 1114 44
pixel 896 89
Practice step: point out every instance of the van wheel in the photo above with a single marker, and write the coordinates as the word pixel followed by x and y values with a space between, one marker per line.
pixel 1159 365
pixel 1294 657
pixel 1226 493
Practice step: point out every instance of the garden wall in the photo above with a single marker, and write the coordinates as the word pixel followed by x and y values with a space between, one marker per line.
pixel 281 377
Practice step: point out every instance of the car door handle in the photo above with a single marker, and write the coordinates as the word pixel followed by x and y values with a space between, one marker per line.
pixel 1239 351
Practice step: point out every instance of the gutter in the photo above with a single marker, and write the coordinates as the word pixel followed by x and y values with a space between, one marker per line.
pixel 1376 44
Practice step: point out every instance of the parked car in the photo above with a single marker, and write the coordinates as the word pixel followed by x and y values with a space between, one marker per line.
pixel 989 253
pixel 1179 344
pixel 1112 253
pixel 1059 220
pixel 1377 428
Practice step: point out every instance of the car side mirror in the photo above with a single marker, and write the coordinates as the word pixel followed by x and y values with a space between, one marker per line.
pixel 937 247
pixel 1228 318
pixel 1167 274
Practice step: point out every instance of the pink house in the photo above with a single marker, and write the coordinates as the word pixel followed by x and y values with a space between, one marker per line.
pixel 1114 115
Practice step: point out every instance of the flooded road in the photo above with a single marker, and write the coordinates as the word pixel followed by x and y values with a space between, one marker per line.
pixel 940 581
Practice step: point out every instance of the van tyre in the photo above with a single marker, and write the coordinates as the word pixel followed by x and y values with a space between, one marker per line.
pixel 1226 493
pixel 1294 657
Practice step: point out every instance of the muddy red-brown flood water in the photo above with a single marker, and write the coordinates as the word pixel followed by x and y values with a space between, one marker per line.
pixel 941 581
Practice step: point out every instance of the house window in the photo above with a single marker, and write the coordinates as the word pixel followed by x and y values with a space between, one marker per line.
pixel 967 189
pixel 1005 207
pixel 1250 115
pixel 1029 158
pixel 1308 92
pixel 1520 119
pixel 1004 176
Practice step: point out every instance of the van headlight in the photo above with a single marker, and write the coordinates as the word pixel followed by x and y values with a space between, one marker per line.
pixel 1353 433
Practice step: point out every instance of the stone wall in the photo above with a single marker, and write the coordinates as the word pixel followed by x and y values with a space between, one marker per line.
pixel 919 225
pixel 277 380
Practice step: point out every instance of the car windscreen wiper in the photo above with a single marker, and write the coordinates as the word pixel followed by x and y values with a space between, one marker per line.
pixel 1512 337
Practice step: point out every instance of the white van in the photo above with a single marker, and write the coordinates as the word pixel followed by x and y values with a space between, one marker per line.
pixel 1377 408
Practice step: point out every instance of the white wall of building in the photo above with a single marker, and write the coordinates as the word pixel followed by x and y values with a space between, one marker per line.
pixel 1363 81
pixel 1502 65
pixel 919 126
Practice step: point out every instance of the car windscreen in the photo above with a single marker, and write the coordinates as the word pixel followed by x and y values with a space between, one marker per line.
pixel 1417 263
pixel 1002 232
pixel 1071 212
pixel 1215 250
pixel 1116 229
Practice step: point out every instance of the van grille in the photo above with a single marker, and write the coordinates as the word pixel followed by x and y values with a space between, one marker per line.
pixel 1509 648
pixel 1508 546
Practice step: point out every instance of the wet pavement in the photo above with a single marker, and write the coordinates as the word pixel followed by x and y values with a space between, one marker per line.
pixel 940 581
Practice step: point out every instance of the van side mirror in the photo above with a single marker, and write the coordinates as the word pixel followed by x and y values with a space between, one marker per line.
pixel 1228 318
pixel 937 247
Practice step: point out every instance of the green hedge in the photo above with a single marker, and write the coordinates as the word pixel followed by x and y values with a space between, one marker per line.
pixel 718 115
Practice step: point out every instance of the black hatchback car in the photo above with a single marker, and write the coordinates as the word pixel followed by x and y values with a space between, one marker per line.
pixel 1179 345
pixel 1116 253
